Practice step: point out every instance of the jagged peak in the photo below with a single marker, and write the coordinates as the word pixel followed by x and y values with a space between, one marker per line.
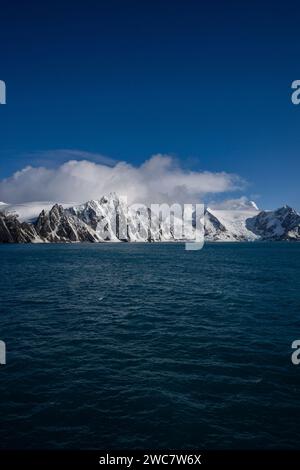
pixel 112 196
pixel 57 206
pixel 286 209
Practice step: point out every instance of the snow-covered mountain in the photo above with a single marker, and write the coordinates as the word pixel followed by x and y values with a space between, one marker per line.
pixel 29 211
pixel 230 225
pixel 103 220
pixel 281 224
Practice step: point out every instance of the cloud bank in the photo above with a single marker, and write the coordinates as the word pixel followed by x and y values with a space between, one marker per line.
pixel 241 203
pixel 159 179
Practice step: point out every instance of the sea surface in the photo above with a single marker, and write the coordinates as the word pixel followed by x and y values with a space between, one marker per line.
pixel 149 346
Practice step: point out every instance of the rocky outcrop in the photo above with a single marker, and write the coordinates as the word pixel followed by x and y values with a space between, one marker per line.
pixel 58 225
pixel 214 229
pixel 13 231
pixel 281 224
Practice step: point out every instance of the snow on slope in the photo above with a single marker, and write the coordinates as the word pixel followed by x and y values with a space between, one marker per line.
pixel 29 211
pixel 233 225
pixel 94 212
pixel 48 222
pixel 281 224
pixel 136 220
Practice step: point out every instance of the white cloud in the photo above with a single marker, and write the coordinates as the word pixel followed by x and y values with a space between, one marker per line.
pixel 242 203
pixel 159 179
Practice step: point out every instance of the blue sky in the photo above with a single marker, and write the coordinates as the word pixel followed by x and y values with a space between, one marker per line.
pixel 207 82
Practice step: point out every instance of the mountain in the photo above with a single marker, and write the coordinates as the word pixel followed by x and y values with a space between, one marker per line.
pixel 14 231
pixel 58 225
pixel 110 219
pixel 230 225
pixel 281 224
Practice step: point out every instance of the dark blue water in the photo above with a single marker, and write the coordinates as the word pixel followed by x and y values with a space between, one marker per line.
pixel 150 346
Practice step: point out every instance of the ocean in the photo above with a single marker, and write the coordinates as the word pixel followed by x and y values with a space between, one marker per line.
pixel 150 346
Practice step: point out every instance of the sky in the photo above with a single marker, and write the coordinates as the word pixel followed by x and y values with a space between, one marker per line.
pixel 194 95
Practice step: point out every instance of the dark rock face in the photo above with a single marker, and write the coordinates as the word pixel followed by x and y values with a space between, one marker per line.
pixel 58 225
pixel 54 226
pixel 88 215
pixel 14 231
pixel 281 224
pixel 213 227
